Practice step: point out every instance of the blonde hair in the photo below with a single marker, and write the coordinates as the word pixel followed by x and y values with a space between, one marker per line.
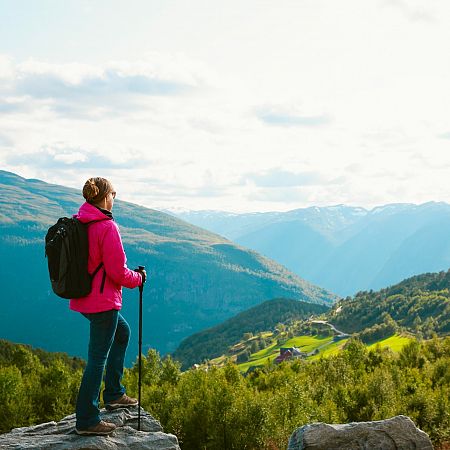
pixel 96 189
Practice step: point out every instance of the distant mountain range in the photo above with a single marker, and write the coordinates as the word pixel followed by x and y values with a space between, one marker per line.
pixel 196 278
pixel 341 248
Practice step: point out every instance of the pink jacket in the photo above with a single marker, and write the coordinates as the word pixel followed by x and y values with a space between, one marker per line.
pixel 105 245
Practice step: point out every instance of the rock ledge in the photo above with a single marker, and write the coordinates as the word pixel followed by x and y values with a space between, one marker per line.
pixel 62 436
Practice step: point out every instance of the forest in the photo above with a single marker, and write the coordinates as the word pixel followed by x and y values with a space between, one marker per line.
pixel 222 409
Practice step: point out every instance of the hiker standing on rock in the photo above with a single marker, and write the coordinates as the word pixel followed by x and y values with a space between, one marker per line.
pixel 109 331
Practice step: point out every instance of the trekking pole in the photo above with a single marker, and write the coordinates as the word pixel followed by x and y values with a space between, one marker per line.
pixel 141 289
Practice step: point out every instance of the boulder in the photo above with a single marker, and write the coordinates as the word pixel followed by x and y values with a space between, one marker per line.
pixel 61 435
pixel 397 433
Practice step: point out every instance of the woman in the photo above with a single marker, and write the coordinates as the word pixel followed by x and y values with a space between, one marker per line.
pixel 109 332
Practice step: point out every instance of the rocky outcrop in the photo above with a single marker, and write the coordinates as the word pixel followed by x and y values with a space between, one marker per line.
pixel 397 433
pixel 62 436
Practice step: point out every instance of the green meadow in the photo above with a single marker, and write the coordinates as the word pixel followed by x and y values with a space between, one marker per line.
pixel 267 355
pixel 325 346
pixel 333 348
pixel 395 342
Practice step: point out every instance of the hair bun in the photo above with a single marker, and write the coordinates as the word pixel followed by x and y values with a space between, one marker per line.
pixel 90 190
pixel 95 190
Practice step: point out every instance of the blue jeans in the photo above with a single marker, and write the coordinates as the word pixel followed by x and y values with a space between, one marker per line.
pixel 108 341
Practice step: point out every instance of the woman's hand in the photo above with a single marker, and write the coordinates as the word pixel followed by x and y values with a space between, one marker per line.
pixel 143 274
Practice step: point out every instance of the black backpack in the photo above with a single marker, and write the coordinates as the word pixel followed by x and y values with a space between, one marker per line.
pixel 67 251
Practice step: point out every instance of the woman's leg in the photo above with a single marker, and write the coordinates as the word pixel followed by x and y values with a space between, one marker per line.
pixel 114 364
pixel 102 331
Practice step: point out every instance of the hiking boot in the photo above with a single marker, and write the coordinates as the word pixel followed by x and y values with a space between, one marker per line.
pixel 122 402
pixel 101 429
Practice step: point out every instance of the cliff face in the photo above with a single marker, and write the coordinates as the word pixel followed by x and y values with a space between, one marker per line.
pixel 62 436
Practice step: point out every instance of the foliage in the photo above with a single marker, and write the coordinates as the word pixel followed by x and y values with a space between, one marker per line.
pixel 35 386
pixel 420 304
pixel 10 351
pixel 380 330
pixel 220 409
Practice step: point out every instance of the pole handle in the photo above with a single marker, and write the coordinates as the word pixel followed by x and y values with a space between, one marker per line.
pixel 141 287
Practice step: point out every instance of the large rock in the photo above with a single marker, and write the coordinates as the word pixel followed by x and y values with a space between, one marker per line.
pixel 397 433
pixel 62 436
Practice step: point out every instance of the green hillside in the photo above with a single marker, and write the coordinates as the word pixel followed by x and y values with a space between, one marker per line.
pixel 196 278
pixel 418 306
pixel 267 356
pixel 213 342
pixel 317 347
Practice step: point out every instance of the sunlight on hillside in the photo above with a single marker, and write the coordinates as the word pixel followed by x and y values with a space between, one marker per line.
pixel 322 346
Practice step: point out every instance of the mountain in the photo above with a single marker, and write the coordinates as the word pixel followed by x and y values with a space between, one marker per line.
pixel 196 278
pixel 344 249
pixel 324 220
pixel 213 342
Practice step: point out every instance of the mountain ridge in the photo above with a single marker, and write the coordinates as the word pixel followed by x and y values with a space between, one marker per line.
pixel 344 248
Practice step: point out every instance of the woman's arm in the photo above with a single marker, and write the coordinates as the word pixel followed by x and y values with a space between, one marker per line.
pixel 114 259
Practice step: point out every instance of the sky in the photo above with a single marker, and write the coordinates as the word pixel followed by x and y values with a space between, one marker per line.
pixel 230 105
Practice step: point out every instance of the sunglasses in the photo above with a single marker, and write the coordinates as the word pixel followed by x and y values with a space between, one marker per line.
pixel 113 194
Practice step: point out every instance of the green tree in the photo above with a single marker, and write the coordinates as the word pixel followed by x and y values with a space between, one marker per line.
pixel 254 347
pixel 16 409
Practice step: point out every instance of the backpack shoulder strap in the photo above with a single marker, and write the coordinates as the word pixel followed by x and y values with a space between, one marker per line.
pixel 101 264
pixel 97 269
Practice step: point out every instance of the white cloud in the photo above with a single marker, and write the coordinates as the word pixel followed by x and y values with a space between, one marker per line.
pixel 71 158
pixel 69 73
pixel 278 177
pixel 5 141
pixel 174 68
pixel 6 67
pixel 238 106
pixel 291 116
pixel 412 10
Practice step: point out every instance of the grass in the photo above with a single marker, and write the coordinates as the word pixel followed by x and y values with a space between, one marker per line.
pixel 308 343
pixel 332 349
pixel 395 342
pixel 268 354
pixel 259 362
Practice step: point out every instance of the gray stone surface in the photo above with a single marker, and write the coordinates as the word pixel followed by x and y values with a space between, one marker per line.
pixel 397 433
pixel 62 436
